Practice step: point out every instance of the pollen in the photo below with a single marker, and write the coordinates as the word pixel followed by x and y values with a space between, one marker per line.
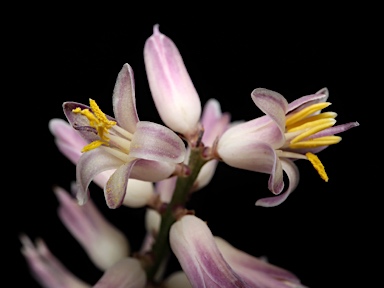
pixel 315 161
pixel 93 145
pixel 97 119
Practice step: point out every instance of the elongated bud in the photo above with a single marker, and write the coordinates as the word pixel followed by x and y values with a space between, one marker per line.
pixel 172 90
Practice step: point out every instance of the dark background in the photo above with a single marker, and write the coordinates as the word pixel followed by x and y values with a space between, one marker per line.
pixel 322 233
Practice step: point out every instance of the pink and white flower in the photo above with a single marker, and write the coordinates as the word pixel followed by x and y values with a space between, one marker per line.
pixel 287 132
pixel 134 149
pixel 70 143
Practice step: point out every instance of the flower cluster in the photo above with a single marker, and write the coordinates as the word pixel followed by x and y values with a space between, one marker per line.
pixel 145 164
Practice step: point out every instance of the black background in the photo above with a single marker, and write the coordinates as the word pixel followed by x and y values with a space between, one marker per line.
pixel 319 233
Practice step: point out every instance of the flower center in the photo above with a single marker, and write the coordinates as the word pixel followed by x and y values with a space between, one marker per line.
pixel 303 131
pixel 112 135
pixel 301 127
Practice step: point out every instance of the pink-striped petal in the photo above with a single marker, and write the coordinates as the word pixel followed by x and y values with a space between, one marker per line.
pixel 153 171
pixel 262 129
pixel 293 174
pixel 103 242
pixel 272 104
pixel 145 170
pixel 255 156
pixel 91 164
pixel 73 153
pixel 70 143
pixel 152 141
pixel 195 248
pixel 256 271
pixel 46 268
pixel 172 90
pixel 63 132
pixel 305 101
pixel 124 101
pixel 276 181
pixel 214 122
pixel 165 188
pixel 116 186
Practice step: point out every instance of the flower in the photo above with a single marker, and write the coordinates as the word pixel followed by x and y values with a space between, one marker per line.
pixel 50 272
pixel 106 246
pixel 136 149
pixel 210 261
pixel 172 90
pixel 70 142
pixel 103 242
pixel 287 132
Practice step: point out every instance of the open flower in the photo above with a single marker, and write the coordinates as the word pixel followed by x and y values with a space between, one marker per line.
pixel 70 143
pixel 287 132
pixel 213 262
pixel 172 90
pixel 50 272
pixel 136 149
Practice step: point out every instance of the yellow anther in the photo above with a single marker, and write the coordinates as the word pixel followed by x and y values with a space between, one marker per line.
pixel 317 142
pixel 93 145
pixel 320 125
pixel 315 161
pixel 297 116
pixel 100 115
pixel 97 119
pixel 323 115
pixel 311 124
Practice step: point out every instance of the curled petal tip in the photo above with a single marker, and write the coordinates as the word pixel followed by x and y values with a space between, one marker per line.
pixel 156 29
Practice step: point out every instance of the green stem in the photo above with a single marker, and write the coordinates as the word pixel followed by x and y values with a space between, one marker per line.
pixel 161 248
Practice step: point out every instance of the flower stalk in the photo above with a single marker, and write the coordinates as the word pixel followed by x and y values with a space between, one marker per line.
pixel 174 210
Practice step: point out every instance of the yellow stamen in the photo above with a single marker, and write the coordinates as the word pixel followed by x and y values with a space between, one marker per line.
pixel 98 120
pixel 100 114
pixel 323 115
pixel 317 165
pixel 321 125
pixel 93 145
pixel 313 143
pixel 297 116
pixel 311 124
